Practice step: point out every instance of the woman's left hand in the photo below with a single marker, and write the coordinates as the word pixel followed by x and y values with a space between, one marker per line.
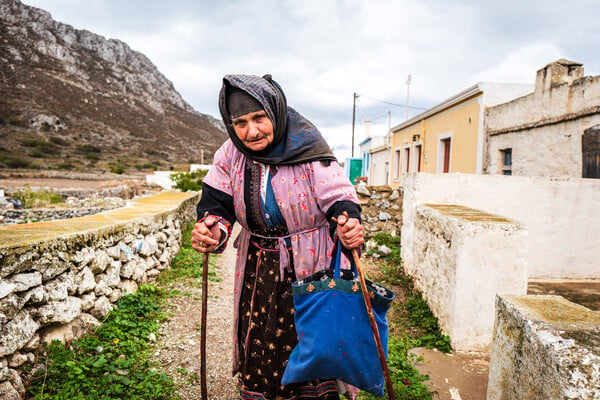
pixel 349 231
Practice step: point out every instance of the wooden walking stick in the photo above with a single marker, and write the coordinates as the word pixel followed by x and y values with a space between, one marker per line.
pixel 203 388
pixel 365 293
pixel 384 366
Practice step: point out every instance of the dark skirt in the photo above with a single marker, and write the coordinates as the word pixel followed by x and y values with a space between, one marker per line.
pixel 266 333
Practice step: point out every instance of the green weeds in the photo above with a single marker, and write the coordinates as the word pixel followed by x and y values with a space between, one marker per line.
pixel 412 324
pixel 114 361
pixel 110 363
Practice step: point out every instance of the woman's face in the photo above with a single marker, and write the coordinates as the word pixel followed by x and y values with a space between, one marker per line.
pixel 254 129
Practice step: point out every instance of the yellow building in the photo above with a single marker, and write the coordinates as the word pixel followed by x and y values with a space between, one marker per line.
pixel 448 137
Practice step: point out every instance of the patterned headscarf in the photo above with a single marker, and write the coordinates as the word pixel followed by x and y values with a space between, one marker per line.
pixel 295 139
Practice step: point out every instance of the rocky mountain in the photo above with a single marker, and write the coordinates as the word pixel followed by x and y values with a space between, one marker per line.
pixel 71 99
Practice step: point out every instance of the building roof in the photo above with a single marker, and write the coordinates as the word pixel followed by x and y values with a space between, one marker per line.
pixel 506 92
pixel 364 141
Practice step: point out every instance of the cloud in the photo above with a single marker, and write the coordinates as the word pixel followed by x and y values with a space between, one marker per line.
pixel 323 51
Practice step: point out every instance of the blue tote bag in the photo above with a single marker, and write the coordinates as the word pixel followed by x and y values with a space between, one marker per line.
pixel 335 338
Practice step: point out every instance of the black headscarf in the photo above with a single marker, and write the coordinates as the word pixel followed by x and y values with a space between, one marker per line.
pixel 295 138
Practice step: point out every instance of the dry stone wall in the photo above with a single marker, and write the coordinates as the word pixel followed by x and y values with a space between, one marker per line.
pixel 47 214
pixel 63 285
pixel 381 209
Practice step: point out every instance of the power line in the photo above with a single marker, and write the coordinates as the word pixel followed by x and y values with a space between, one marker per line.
pixel 393 104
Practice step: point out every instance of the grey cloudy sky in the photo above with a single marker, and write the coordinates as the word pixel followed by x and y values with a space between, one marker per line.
pixel 322 51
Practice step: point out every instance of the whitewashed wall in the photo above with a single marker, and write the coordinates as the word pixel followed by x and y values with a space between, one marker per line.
pixel 378 171
pixel 545 347
pixel 562 216
pixel 464 258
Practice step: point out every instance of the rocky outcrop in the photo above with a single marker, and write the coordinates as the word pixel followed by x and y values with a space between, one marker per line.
pixel 69 92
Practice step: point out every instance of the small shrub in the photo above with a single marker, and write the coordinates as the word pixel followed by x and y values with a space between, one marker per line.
pixel 16 162
pixel 36 153
pixel 66 165
pixel 89 148
pixel 59 141
pixel 144 166
pixel 186 181
pixel 31 199
pixel 92 157
pixel 117 170
pixel 31 142
pixel 49 148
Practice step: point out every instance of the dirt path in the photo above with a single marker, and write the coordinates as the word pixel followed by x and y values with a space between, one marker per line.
pixel 178 347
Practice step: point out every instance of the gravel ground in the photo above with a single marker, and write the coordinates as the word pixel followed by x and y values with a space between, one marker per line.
pixel 178 346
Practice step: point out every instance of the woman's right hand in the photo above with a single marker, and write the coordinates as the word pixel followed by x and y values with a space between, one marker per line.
pixel 206 234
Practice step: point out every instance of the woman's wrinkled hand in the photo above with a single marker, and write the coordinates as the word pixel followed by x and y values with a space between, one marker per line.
pixel 206 234
pixel 349 231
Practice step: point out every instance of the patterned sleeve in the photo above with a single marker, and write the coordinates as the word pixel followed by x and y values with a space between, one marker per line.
pixel 216 196
pixel 331 186
pixel 219 174
pixel 335 194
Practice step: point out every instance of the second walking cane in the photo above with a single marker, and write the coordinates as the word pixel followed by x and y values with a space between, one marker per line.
pixel 382 359
pixel 203 386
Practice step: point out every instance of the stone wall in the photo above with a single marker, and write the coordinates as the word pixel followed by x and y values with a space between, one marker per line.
pixel 464 257
pixel 47 214
pixel 58 279
pixel 545 347
pixel 381 209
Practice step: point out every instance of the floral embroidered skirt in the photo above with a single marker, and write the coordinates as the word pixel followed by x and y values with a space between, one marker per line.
pixel 267 334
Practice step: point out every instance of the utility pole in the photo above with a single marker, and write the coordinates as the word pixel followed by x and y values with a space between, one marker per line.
pixel 408 80
pixel 389 132
pixel 353 120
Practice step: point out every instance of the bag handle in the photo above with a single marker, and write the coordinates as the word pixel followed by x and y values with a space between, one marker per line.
pixel 336 261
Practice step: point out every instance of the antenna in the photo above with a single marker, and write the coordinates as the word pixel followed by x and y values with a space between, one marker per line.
pixel 408 80
pixel 353 120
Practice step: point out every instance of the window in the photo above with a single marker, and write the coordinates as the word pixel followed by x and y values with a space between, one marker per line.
pixel 397 165
pixel 506 161
pixel 406 160
pixel 417 158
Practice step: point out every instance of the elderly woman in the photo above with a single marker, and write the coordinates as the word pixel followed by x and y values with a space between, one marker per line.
pixel 277 177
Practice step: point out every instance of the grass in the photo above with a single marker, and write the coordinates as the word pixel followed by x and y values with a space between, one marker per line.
pixel 113 362
pixel 411 324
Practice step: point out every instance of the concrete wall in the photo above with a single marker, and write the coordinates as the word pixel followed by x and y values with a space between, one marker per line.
pixel 59 279
pixel 162 179
pixel 545 347
pixel 462 258
pixel 560 215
